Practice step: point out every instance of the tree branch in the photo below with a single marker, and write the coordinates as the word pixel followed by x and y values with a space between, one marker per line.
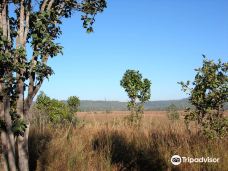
pixel 8 31
pixel 22 18
pixel 33 89
pixel 0 17
pixel 50 4
pixel 4 20
pixel 27 22
pixel 1 101
pixel 43 5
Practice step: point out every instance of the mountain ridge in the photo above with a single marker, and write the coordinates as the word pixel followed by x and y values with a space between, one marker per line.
pixel 102 105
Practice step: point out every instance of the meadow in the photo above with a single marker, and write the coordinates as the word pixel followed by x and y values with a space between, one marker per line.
pixel 104 141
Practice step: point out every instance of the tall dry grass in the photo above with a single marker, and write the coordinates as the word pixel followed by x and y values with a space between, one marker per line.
pixel 106 142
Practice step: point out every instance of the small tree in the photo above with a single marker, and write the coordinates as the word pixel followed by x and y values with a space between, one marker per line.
pixel 172 113
pixel 208 95
pixel 73 103
pixel 138 90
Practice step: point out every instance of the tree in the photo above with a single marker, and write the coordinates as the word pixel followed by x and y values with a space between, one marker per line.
pixel 138 90
pixel 30 26
pixel 73 103
pixel 208 95
pixel 172 112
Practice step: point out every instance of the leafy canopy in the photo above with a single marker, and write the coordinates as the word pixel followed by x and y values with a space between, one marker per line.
pixel 57 111
pixel 135 86
pixel 208 94
pixel 73 103
pixel 34 26
pixel 172 112
pixel 138 90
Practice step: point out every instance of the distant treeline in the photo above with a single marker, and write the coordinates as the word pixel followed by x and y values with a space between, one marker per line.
pixel 89 105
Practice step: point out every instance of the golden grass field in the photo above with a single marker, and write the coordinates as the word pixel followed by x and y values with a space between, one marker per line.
pixel 106 142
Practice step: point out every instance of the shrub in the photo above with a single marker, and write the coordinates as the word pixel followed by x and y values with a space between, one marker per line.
pixel 73 103
pixel 57 111
pixel 172 112
pixel 208 95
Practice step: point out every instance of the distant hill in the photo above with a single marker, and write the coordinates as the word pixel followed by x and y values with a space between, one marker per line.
pixel 89 105
pixel 162 105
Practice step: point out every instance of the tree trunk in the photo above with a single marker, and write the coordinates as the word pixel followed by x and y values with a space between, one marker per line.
pixel 8 142
pixel 23 156
pixel 9 162
pixel 7 136
pixel 4 157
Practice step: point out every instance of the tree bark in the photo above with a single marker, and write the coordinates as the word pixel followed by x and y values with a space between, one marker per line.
pixel 8 138
pixel 22 141
pixel 23 155
pixel 4 157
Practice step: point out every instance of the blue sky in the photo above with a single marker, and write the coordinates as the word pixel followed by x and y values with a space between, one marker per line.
pixel 163 39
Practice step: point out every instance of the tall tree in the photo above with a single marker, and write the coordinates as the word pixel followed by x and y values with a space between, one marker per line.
pixel 34 25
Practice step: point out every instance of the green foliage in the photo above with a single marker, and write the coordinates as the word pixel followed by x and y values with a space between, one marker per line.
pixel 172 113
pixel 35 25
pixel 18 127
pixel 57 111
pixel 138 90
pixel 216 127
pixel 73 103
pixel 208 95
pixel 43 101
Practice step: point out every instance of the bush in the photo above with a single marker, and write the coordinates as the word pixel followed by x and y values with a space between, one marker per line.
pixel 56 111
pixel 208 95
pixel 172 113
pixel 73 103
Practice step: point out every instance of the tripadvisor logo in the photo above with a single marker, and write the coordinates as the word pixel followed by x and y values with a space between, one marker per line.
pixel 176 160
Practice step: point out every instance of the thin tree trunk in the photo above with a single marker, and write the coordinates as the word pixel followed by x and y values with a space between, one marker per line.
pixel 23 155
pixel 4 157
pixel 22 141
pixel 9 138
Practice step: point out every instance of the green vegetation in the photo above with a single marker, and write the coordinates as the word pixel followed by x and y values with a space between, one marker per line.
pixel 138 90
pixel 172 113
pixel 28 33
pixel 56 111
pixel 73 103
pixel 208 95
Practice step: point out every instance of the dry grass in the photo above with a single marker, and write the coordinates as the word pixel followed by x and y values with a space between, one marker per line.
pixel 106 142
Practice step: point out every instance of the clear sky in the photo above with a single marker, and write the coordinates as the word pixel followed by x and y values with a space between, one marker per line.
pixel 163 39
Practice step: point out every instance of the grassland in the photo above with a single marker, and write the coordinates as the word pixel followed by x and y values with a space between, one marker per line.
pixel 104 141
